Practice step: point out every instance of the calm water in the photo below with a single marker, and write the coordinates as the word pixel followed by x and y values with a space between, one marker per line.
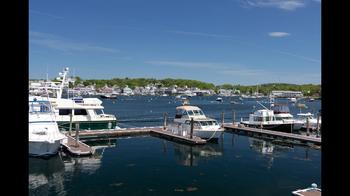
pixel 146 165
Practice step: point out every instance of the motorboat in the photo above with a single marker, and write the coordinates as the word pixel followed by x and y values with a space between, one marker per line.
pixel 293 99
pixel 108 96
pixel 313 190
pixel 44 136
pixel 88 112
pixel 219 99
pixel 266 119
pixel 302 120
pixel 203 127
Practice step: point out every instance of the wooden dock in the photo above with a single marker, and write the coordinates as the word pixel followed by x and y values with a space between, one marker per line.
pixel 184 139
pixel 302 138
pixel 80 150
pixel 156 131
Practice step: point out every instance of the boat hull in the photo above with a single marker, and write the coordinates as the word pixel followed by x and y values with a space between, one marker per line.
pixel 88 125
pixel 204 134
pixel 44 148
pixel 275 127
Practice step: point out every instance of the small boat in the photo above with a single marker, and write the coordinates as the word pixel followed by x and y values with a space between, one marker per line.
pixel 293 99
pixel 219 99
pixel 203 127
pixel 313 190
pixel 44 136
pixel 108 96
pixel 303 118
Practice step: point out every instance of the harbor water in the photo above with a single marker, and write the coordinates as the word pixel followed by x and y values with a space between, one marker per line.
pixel 147 165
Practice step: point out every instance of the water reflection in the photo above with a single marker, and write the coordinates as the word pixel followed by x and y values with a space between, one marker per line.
pixel 191 155
pixel 269 149
pixel 48 175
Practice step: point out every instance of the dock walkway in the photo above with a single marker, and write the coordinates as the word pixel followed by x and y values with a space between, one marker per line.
pixel 157 131
pixel 81 150
pixel 303 138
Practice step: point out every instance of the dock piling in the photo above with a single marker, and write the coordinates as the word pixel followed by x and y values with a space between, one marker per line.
pixel 77 133
pixel 191 134
pixel 222 119
pixel 70 124
pixel 318 124
pixel 307 127
pixel 233 117
pixel 165 117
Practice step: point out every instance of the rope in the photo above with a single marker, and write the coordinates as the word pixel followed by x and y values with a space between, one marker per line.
pixel 211 136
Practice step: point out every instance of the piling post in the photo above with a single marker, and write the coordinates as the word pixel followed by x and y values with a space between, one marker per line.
pixel 318 124
pixel 77 133
pixel 165 117
pixel 222 119
pixel 233 117
pixel 307 126
pixel 70 123
pixel 191 134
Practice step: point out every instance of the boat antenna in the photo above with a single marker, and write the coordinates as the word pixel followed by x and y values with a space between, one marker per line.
pixel 262 105
pixel 63 81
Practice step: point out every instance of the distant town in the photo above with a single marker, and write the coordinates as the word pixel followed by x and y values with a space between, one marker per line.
pixel 173 87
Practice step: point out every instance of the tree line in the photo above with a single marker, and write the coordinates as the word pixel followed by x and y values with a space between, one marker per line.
pixel 306 89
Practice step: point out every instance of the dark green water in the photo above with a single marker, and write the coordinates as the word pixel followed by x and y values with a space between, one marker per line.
pixel 146 165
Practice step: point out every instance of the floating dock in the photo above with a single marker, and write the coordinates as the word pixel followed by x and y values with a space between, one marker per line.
pixel 302 138
pixel 184 139
pixel 79 150
pixel 156 131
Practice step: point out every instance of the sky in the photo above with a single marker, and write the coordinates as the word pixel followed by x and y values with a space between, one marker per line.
pixel 245 42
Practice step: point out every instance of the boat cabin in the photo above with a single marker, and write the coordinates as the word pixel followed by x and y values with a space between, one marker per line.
pixel 262 116
pixel 187 112
pixel 282 112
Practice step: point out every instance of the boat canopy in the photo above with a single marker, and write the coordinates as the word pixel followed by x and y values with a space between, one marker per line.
pixel 280 109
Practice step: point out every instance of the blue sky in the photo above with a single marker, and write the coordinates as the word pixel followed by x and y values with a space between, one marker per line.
pixel 226 41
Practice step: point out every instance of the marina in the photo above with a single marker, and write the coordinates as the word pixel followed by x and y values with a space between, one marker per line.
pixel 142 134
pixel 195 128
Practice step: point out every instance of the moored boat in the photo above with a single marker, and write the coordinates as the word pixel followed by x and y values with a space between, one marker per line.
pixel 203 127
pixel 44 136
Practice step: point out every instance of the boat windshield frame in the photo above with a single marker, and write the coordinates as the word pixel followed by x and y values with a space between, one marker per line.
pixel 40 107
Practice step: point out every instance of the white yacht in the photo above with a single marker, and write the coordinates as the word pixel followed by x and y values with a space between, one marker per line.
pixel 44 136
pixel 87 111
pixel 203 126
pixel 266 119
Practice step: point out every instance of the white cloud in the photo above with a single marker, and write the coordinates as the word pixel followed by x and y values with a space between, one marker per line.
pixel 45 14
pixel 281 4
pixel 243 72
pixel 279 34
pixel 301 57
pixel 201 34
pixel 59 43
pixel 186 64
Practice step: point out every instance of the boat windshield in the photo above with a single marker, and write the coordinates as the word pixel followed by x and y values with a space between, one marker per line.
pixel 198 112
pixel 208 123
pixel 190 112
pixel 39 106
pixel 281 109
